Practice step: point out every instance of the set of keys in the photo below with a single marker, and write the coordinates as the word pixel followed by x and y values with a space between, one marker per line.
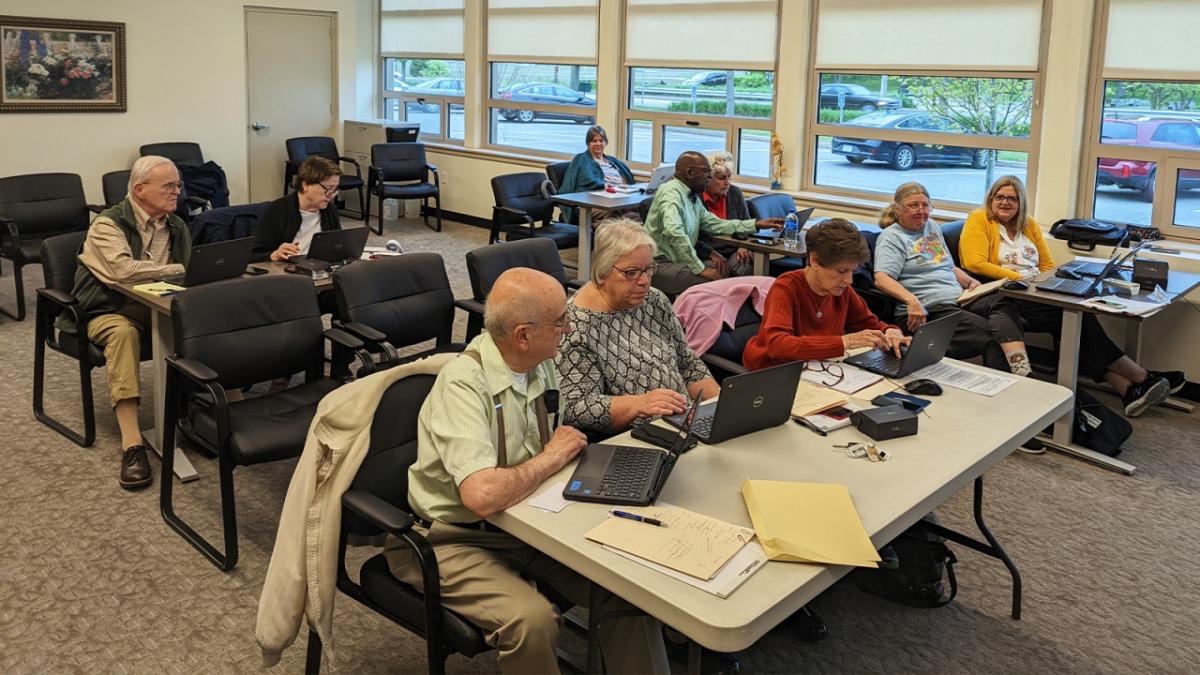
pixel 863 449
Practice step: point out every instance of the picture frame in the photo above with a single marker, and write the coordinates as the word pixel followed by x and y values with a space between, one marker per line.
pixel 61 65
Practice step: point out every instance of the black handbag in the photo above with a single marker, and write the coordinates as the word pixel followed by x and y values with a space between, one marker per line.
pixel 1084 235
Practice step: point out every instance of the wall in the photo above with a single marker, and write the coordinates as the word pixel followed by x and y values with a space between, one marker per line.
pixel 186 65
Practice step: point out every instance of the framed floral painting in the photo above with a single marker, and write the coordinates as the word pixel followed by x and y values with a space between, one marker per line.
pixel 61 65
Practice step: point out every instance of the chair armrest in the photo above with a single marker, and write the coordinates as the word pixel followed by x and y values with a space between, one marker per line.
pixel 14 236
pixel 351 160
pixel 58 297
pixel 724 364
pixel 437 180
pixel 343 339
pixel 376 511
pixel 362 331
pixel 431 167
pixel 193 369
pixel 547 189
pixel 516 213
pixel 470 305
pixel 95 208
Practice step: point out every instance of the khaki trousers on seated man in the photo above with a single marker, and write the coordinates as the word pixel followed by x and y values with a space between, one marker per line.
pixel 485 442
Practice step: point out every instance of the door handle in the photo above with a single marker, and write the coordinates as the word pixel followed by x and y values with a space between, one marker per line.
pixel 259 126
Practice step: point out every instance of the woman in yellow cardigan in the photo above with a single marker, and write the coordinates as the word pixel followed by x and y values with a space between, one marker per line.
pixel 1001 241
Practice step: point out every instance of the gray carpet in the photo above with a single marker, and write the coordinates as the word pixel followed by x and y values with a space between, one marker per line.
pixel 92 580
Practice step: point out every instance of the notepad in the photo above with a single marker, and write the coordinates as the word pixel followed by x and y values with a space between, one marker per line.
pixel 811 398
pixel 159 288
pixel 808 522
pixel 980 291
pixel 690 543
pixel 852 380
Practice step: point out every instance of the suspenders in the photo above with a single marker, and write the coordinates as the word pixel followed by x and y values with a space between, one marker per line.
pixel 539 408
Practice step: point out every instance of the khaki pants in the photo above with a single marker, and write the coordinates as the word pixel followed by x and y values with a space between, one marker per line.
pixel 487 577
pixel 121 338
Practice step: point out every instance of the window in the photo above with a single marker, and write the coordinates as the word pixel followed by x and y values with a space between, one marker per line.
pixel 421 42
pixel 952 116
pixel 724 100
pixel 1144 137
pixel 542 93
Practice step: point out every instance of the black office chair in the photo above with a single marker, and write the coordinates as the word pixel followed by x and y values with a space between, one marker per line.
pixel 404 134
pixel 724 357
pixel 377 503
pixel 775 205
pixel 229 335
pixel 34 207
pixel 519 204
pixel 180 152
pixel 397 302
pixel 486 263
pixel 644 208
pixel 882 304
pixel 115 185
pixel 556 171
pixel 303 147
pixel 399 171
pixel 60 258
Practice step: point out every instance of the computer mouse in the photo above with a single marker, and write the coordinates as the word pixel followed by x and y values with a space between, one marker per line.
pixel 1015 285
pixel 741 236
pixel 1067 274
pixel 924 387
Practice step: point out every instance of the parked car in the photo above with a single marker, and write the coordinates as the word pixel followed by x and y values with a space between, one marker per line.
pixel 858 97
pixel 902 155
pixel 543 92
pixel 707 78
pixel 1136 174
pixel 438 86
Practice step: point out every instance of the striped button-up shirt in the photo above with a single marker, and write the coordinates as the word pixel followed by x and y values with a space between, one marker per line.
pixel 107 254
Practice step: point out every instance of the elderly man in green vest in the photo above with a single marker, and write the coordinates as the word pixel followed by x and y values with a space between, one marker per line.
pixel 139 239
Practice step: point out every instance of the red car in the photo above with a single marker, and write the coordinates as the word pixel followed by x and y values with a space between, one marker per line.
pixel 1136 174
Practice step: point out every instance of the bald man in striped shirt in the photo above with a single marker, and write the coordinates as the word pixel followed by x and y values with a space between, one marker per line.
pixel 139 239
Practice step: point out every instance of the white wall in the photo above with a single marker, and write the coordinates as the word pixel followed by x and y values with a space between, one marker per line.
pixel 186 65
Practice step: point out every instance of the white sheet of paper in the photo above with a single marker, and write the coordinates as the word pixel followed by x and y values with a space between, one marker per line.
pixel 551 498
pixel 740 567
pixel 1123 305
pixel 967 379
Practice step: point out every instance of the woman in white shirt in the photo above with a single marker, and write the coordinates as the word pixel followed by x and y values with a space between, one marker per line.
pixel 287 227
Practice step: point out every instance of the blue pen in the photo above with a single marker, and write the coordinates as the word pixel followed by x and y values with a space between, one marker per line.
pixel 641 519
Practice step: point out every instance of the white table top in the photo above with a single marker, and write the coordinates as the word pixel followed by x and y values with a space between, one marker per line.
pixel 962 436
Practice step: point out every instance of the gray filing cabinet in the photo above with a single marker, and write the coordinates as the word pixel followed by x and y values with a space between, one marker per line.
pixel 357 138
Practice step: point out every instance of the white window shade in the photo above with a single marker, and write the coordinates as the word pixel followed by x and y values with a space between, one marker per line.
pixel 731 34
pixel 1155 36
pixel 551 30
pixel 421 28
pixel 929 34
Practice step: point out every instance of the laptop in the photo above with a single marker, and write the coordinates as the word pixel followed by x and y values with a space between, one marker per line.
pixel 929 345
pixel 1095 269
pixel 215 262
pixel 802 217
pixel 622 474
pixel 1086 287
pixel 748 403
pixel 661 175
pixel 333 248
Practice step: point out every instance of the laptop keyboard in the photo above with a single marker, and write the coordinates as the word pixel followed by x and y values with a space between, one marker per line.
pixel 178 280
pixel 702 427
pixel 881 362
pixel 628 472
pixel 1069 286
pixel 1090 269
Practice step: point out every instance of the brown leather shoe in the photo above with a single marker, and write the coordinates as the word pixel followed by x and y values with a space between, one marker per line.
pixel 135 468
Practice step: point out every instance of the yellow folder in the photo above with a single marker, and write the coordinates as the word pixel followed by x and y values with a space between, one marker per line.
pixel 808 522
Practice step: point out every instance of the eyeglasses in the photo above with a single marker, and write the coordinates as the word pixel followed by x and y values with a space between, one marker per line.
pixel 560 324
pixel 920 206
pixel 1005 199
pixel 171 187
pixel 832 370
pixel 635 273
pixel 329 191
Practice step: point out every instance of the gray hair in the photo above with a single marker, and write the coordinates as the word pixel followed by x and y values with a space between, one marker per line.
pixel 614 240
pixel 517 297
pixel 720 160
pixel 891 213
pixel 142 168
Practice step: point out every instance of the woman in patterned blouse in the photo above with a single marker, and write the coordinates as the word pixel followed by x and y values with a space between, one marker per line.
pixel 626 359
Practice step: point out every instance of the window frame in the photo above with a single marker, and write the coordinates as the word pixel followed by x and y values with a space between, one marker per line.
pixel 442 101
pixel 491 105
pixel 732 126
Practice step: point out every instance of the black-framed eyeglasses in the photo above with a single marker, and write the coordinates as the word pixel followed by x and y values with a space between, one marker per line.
pixel 329 191
pixel 834 374
pixel 1006 199
pixel 635 273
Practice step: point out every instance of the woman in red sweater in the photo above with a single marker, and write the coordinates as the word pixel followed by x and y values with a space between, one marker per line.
pixel 813 313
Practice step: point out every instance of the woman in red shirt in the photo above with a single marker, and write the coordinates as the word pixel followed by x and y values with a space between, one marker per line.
pixel 813 313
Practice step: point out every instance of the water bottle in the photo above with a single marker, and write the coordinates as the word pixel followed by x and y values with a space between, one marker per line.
pixel 791 230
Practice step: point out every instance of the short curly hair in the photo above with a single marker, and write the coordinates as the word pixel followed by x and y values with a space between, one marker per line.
pixel 837 240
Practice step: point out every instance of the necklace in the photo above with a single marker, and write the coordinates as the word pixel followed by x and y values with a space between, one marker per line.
pixel 821 308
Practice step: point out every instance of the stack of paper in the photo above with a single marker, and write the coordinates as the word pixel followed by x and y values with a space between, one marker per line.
pixel 852 380
pixel 690 543
pixel 808 522
pixel 811 398
pixel 159 288
pixel 978 381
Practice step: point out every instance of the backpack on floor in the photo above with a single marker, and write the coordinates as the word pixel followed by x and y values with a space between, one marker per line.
pixel 1098 427
pixel 919 578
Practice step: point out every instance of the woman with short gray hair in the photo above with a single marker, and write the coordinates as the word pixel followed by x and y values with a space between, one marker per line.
pixel 626 359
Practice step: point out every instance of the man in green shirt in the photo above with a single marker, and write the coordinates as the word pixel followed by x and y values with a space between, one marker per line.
pixel 486 441
pixel 676 218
